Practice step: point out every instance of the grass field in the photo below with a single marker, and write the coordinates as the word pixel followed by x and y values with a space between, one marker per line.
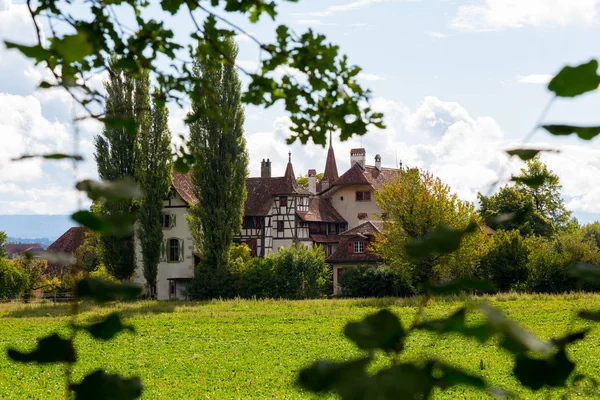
pixel 254 349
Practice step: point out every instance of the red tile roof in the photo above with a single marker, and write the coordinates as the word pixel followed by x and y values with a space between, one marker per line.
pixel 325 238
pixel 320 210
pixel 184 187
pixel 364 231
pixel 17 248
pixel 369 175
pixel 262 190
pixel 69 241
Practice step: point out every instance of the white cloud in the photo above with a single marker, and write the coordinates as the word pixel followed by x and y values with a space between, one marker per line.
pixel 491 15
pixel 351 6
pixel 370 77
pixel 538 79
pixel 312 22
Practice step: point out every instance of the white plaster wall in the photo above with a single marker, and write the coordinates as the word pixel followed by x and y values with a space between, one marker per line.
pixel 166 270
pixel 349 207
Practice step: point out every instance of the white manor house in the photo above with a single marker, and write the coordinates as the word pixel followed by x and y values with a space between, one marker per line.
pixel 338 213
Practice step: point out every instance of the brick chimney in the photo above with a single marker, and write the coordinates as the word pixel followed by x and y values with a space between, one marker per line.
pixel 378 162
pixel 358 156
pixel 312 181
pixel 265 168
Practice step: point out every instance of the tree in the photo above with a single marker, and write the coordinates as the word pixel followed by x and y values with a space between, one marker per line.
pixel 87 255
pixel 416 204
pixel 3 238
pixel 303 179
pixel 546 197
pixel 13 280
pixel 115 155
pixel 505 263
pixel 219 175
pixel 153 174
pixel 37 277
pixel 514 209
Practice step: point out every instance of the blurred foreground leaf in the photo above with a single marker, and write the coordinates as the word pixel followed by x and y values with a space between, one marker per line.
pixel 108 328
pixel 575 81
pixel 102 386
pixel 102 291
pixel 50 349
pixel 382 330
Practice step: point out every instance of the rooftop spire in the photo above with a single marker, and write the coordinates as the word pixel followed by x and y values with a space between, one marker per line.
pixel 331 173
pixel 290 157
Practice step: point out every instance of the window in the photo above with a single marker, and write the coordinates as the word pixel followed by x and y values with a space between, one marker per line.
pixel 363 196
pixel 165 220
pixel 174 250
pixel 341 198
pixel 333 229
pixel 359 246
pixel 283 201
pixel 328 250
pixel 172 289
pixel 280 226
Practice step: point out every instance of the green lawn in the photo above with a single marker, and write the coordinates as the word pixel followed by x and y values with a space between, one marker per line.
pixel 254 349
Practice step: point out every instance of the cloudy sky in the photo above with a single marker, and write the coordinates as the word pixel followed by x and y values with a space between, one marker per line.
pixel 458 81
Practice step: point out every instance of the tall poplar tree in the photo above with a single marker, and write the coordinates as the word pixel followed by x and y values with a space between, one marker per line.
pixel 154 178
pixel 127 99
pixel 217 141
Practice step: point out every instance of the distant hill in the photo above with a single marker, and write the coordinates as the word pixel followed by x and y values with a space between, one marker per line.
pixel 35 226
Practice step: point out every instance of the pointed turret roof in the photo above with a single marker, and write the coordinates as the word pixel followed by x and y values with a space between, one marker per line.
pixel 331 173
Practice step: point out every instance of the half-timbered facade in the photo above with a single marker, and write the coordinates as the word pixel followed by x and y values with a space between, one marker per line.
pixel 278 213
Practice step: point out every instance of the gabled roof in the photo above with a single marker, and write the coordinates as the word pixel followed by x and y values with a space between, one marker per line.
pixel 369 175
pixel 325 238
pixel 18 248
pixel 182 183
pixel 366 228
pixel 320 210
pixel 69 241
pixel 364 231
pixel 262 190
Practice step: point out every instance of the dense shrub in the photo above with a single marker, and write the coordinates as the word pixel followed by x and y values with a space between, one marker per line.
pixel 296 272
pixel 505 263
pixel 549 261
pixel 13 280
pixel 370 281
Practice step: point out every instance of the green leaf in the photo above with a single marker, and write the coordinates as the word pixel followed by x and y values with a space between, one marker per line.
pixel 450 376
pixel 73 48
pixel 36 52
pixel 382 330
pixel 121 189
pixel 570 338
pixel 536 373
pixel 402 381
pixel 456 323
pixel 103 291
pixel 90 221
pixel 171 6
pixel 590 315
pixel 527 154
pixel 574 81
pixel 515 338
pixel 585 272
pixel 51 349
pixel 457 286
pixel 533 181
pixel 442 240
pixel 102 386
pixel 584 132
pixel 323 376
pixel 54 156
pixel 108 328
pixel 130 125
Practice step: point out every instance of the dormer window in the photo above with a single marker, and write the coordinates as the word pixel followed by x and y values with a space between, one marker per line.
pixel 359 247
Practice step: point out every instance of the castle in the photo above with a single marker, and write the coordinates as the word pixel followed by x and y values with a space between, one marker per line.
pixel 339 213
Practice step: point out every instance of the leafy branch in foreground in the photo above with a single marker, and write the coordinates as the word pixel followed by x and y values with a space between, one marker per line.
pixel 314 82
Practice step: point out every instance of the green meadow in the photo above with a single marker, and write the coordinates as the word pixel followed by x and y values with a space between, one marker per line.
pixel 242 349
